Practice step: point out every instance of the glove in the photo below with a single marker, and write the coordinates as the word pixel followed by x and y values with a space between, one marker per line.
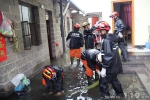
pixel 98 72
pixel 120 35
pixel 103 72
pixel 94 74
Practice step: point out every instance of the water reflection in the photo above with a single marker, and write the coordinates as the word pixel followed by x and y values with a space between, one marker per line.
pixel 74 83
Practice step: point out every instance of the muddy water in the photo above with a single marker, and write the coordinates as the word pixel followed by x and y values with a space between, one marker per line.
pixel 75 79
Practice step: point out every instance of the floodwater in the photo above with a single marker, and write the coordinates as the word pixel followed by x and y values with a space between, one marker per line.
pixel 75 79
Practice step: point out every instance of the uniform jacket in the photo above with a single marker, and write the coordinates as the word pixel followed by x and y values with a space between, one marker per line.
pixel 111 59
pixel 90 56
pixel 76 39
pixel 119 27
pixel 58 79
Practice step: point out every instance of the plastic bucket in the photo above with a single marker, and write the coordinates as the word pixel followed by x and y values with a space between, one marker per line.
pixel 147 44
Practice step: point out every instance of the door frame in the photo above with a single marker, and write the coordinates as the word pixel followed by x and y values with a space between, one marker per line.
pixel 48 27
pixel 132 16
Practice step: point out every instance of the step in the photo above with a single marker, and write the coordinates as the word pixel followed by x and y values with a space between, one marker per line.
pixel 145 80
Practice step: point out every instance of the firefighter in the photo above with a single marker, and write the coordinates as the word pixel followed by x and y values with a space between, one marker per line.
pixel 119 28
pixel 89 58
pixel 88 36
pixel 53 75
pixel 110 62
pixel 76 43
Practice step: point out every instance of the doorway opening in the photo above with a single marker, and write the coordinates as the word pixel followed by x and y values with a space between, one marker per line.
pixel 49 26
pixel 125 8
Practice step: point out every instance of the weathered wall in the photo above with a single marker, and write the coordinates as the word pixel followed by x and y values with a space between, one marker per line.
pixel 31 61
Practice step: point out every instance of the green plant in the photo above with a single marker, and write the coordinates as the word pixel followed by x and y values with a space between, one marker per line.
pixel 149 33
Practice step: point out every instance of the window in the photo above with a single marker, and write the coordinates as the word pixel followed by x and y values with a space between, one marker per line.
pixel 28 26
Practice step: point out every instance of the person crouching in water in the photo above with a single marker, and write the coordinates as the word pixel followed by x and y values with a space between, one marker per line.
pixel 76 43
pixel 111 63
pixel 89 58
pixel 53 76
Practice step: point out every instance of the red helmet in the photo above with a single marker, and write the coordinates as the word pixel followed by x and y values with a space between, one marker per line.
pixel 114 14
pixel 49 73
pixel 76 25
pixel 103 26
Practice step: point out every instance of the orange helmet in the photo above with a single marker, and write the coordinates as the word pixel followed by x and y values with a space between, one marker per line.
pixel 49 73
pixel 76 25
pixel 103 26
pixel 114 14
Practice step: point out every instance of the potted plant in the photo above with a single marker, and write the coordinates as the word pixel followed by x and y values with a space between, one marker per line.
pixel 148 43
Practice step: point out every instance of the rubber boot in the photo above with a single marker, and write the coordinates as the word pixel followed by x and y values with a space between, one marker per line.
pixel 71 60
pixel 78 62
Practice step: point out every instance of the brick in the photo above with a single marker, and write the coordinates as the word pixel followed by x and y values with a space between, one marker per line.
pixel 36 3
pixel 37 66
pixel 25 67
pixel 20 32
pixel 28 1
pixel 28 72
pixel 43 30
pixel 20 39
pixel 16 2
pixel 10 50
pixel 14 10
pixel 3 63
pixel 13 73
pixel 9 2
pixel 11 58
pixel 4 79
pixel 7 68
pixel 8 86
pixel 19 63
pixel 4 8
pixel 12 16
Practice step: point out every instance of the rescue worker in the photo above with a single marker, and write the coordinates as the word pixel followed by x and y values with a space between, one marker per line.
pixel 110 63
pixel 88 36
pixel 89 58
pixel 119 28
pixel 76 43
pixel 53 75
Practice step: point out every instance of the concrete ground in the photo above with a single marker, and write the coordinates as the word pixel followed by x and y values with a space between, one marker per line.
pixel 135 81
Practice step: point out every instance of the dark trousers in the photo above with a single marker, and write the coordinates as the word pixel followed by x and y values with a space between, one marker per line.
pixel 123 50
pixel 104 89
pixel 54 85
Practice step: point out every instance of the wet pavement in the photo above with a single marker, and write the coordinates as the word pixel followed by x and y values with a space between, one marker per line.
pixel 75 79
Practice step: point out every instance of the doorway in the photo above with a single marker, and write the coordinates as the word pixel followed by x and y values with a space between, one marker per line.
pixel 126 13
pixel 48 26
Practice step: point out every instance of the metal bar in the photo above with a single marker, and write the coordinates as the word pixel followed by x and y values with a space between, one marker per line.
pixel 62 27
pixel 66 7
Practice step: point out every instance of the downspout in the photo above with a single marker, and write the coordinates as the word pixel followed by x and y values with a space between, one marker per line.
pixel 66 7
pixel 62 27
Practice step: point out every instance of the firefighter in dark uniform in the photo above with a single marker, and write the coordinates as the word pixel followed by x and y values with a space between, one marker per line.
pixel 90 61
pixel 53 75
pixel 119 28
pixel 110 63
pixel 76 43
pixel 88 35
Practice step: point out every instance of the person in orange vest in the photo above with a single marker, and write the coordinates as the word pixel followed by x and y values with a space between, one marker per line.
pixel 76 43
pixel 51 75
pixel 91 63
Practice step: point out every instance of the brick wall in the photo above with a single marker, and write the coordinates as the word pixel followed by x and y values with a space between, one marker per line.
pixel 31 61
